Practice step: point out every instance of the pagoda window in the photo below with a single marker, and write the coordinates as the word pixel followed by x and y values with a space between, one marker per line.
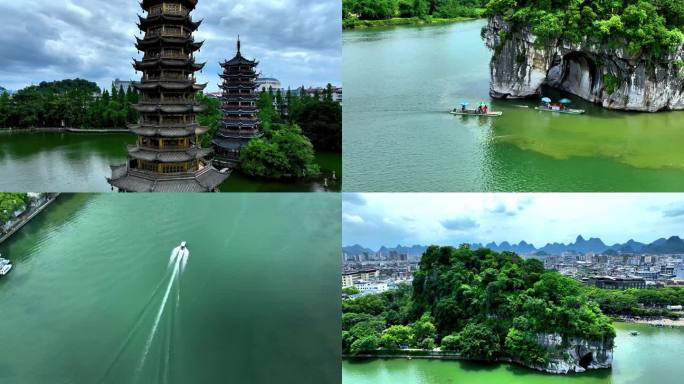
pixel 147 165
pixel 173 53
pixel 174 167
pixel 174 119
pixel 151 54
pixel 172 31
pixel 176 143
pixel 150 119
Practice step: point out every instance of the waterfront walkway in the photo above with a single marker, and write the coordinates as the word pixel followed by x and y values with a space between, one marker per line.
pixel 27 216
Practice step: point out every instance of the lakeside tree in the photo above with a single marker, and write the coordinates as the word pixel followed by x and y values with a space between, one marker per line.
pixel 10 203
pixel 73 103
pixel 386 9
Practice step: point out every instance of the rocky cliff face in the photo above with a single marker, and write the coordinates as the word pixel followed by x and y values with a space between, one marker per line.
pixel 608 76
pixel 575 355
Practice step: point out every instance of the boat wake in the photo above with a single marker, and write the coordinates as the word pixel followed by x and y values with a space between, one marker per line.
pixel 168 306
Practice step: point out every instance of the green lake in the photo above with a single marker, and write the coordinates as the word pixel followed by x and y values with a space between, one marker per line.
pixel 401 82
pixel 653 357
pixel 68 162
pixel 94 297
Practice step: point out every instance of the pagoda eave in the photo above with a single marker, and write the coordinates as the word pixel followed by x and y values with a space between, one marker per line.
pixel 167 156
pixel 147 4
pixel 146 22
pixel 206 179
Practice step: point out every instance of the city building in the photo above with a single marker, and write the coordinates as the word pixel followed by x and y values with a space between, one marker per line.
pixel 167 156
pixel 371 286
pixel 239 123
pixel 349 278
pixel 610 282
pixel 122 85
pixel 265 84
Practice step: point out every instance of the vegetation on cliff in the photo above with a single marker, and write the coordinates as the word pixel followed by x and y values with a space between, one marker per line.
pixel 480 303
pixel 650 27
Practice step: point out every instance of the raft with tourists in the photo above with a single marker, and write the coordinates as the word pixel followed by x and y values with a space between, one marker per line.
pixel 481 110
pixel 547 105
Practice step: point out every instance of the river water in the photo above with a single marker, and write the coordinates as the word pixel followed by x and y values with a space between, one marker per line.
pixel 84 303
pixel 67 162
pixel 400 82
pixel 653 357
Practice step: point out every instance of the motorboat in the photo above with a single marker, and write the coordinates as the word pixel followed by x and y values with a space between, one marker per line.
pixel 634 333
pixel 5 266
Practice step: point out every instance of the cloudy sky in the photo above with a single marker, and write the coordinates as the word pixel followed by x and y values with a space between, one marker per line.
pixel 296 41
pixel 373 220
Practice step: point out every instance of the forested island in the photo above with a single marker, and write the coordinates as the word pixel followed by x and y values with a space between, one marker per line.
pixel 372 13
pixel 488 306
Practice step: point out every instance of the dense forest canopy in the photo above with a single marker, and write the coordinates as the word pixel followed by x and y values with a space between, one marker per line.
pixel 73 103
pixel 385 9
pixel 653 27
pixel 480 303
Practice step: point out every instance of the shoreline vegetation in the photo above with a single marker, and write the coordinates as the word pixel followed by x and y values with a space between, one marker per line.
pixel 402 21
pixel 65 130
pixel 357 14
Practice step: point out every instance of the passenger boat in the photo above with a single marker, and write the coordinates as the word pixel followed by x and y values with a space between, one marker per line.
pixel 558 110
pixel 547 106
pixel 5 266
pixel 474 112
pixel 463 111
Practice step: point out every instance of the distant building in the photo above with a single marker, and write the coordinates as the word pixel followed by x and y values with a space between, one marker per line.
pixel 122 85
pixel 609 282
pixel 268 83
pixel 679 272
pixel 371 287
pixel 349 278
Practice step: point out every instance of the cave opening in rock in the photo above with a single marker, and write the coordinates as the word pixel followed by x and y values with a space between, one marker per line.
pixel 576 72
pixel 586 359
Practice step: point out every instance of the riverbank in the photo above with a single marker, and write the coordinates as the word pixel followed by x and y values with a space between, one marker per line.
pixel 654 322
pixel 67 130
pixel 353 23
pixel 27 216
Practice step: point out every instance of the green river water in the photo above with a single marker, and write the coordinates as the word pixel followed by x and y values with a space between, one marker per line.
pixel 256 303
pixel 401 82
pixel 68 162
pixel 653 357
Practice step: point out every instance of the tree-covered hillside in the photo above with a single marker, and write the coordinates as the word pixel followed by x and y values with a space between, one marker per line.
pixel 480 303
pixel 652 27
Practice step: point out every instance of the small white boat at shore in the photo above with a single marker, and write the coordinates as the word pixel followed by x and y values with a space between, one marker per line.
pixel 5 266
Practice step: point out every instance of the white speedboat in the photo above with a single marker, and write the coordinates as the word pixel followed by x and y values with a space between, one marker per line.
pixel 180 254
pixel 5 266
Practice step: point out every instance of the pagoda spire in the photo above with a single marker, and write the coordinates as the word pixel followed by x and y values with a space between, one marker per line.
pixel 238 44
